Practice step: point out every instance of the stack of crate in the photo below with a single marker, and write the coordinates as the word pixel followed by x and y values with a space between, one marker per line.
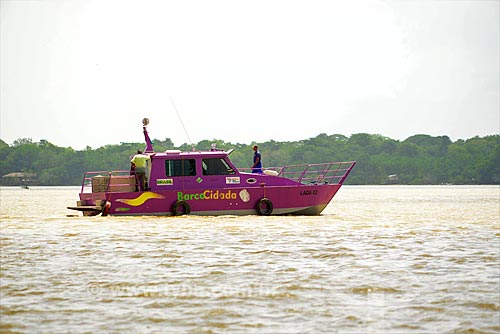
pixel 100 183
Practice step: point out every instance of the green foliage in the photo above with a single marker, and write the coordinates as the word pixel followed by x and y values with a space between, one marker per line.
pixel 420 159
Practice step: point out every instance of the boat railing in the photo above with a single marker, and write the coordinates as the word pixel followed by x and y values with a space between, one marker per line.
pixel 105 181
pixel 322 173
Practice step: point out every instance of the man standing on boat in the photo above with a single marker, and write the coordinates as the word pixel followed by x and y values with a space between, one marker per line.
pixel 140 163
pixel 257 161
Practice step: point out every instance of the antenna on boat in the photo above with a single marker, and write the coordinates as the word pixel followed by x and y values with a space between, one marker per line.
pixel 182 123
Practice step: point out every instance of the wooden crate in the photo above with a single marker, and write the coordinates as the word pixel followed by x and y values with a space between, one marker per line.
pixel 100 183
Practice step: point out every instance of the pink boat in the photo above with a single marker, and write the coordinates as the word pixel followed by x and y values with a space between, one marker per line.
pixel 207 183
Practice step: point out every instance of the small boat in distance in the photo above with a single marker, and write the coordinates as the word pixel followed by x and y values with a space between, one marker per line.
pixel 207 183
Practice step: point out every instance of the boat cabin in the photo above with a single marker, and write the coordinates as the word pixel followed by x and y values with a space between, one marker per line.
pixel 189 170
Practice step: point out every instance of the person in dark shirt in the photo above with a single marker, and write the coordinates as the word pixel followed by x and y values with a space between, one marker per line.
pixel 257 161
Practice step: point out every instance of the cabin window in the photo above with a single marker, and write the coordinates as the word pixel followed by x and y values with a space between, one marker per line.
pixel 180 167
pixel 216 166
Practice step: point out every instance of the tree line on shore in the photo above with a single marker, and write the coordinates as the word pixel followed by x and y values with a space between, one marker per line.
pixel 419 159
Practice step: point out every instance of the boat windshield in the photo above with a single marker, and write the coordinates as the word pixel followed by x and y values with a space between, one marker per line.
pixel 216 166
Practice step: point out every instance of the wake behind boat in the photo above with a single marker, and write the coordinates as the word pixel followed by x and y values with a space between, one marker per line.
pixel 207 183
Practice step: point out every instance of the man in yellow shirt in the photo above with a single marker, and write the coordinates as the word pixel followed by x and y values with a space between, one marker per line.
pixel 140 163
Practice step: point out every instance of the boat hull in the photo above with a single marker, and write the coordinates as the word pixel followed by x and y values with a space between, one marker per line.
pixel 278 200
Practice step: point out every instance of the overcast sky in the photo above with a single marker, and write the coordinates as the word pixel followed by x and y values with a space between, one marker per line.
pixel 85 73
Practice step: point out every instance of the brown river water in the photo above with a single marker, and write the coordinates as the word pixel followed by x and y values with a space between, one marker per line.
pixel 380 259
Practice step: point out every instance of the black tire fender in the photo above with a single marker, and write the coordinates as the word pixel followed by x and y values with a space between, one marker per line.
pixel 264 206
pixel 180 208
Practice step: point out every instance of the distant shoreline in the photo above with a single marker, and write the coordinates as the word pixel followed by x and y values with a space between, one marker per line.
pixel 418 160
